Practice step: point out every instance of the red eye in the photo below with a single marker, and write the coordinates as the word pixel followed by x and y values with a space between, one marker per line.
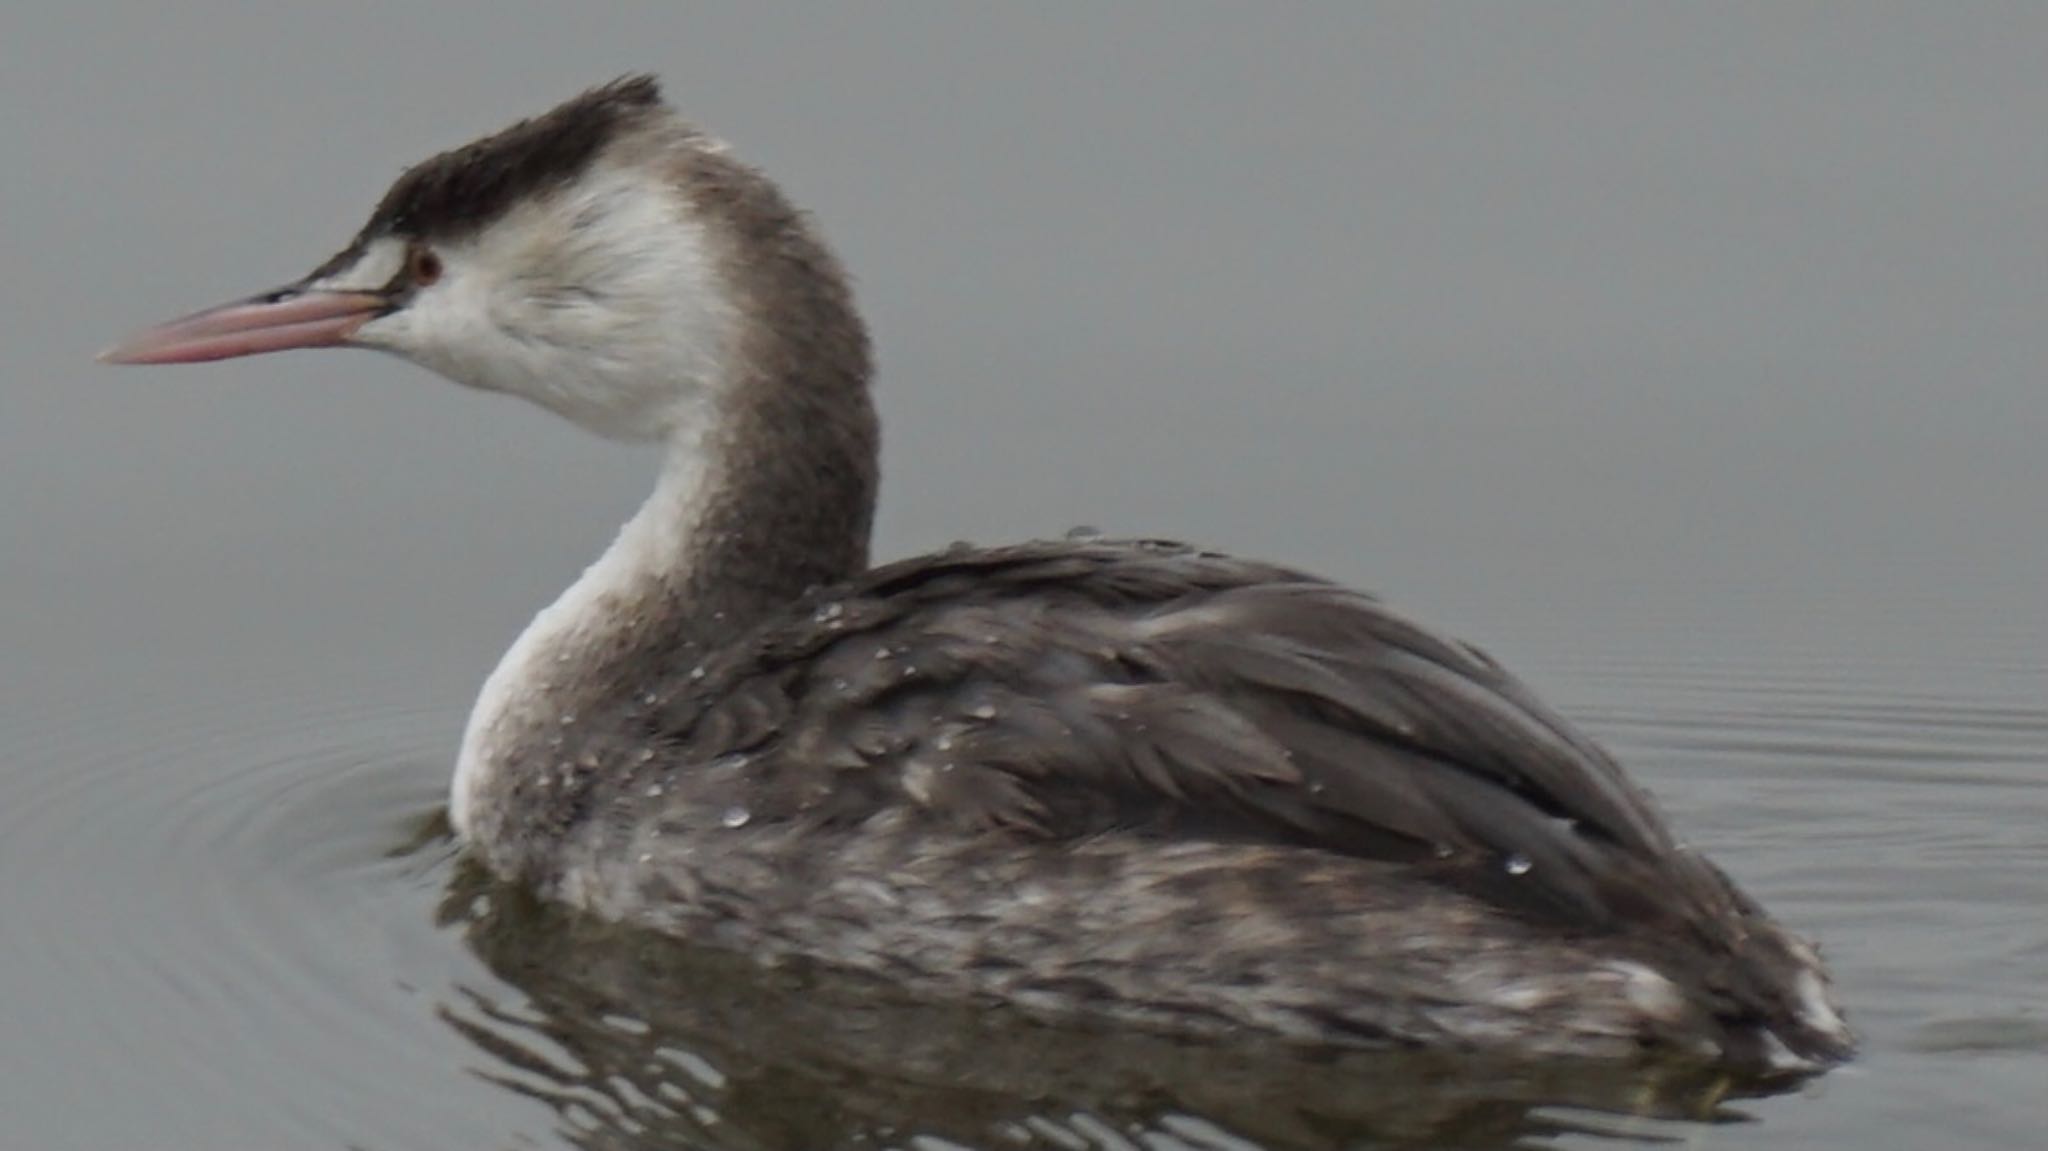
pixel 423 266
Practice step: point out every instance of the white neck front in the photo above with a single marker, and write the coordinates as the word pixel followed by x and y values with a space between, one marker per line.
pixel 726 328
pixel 616 595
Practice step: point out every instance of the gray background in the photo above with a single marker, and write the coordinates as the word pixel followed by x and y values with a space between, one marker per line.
pixel 1608 335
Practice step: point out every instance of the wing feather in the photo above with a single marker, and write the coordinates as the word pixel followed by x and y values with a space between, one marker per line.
pixel 1064 690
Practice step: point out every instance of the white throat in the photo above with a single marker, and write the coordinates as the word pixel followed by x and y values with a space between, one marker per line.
pixel 616 594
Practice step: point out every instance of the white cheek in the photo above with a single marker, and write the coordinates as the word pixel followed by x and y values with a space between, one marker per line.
pixel 443 328
pixel 600 305
pixel 448 327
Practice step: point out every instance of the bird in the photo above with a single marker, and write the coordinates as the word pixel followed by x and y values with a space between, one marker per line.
pixel 1130 780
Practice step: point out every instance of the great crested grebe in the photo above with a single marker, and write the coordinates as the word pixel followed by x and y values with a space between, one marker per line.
pixel 1130 779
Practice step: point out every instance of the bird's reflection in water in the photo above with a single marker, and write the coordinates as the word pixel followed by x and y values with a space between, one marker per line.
pixel 639 1042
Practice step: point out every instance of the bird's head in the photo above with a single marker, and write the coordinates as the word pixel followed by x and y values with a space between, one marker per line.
pixel 583 260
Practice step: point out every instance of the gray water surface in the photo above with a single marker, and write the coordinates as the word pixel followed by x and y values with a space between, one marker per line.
pixel 1690 360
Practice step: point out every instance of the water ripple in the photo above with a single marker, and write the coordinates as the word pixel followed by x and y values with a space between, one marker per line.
pixel 261 907
pixel 234 887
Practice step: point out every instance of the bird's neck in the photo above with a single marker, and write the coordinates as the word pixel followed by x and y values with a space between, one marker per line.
pixel 767 489
pixel 744 519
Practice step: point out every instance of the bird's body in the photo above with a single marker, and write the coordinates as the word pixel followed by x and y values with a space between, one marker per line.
pixel 1129 778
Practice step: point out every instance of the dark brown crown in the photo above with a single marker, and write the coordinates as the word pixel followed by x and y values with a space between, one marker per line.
pixel 468 188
